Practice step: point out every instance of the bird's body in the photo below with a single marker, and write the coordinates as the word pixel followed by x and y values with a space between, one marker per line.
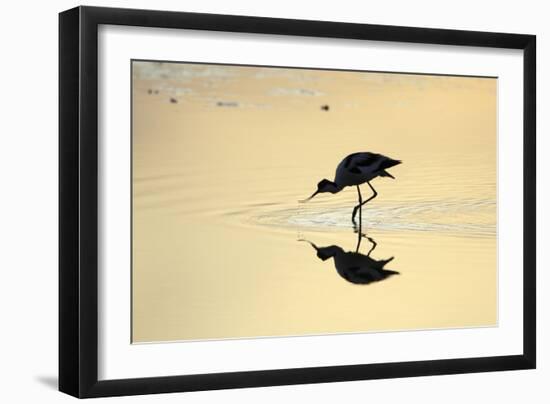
pixel 358 168
pixel 361 269
pixel 355 267
pixel 354 170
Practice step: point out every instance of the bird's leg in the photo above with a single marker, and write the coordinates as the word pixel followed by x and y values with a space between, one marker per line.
pixel 373 245
pixel 357 206
pixel 372 196
pixel 358 242
pixel 360 218
pixel 361 202
pixel 360 237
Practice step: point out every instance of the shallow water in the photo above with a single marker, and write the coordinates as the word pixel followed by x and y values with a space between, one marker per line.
pixel 218 232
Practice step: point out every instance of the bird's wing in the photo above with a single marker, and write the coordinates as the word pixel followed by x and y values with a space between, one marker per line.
pixel 371 273
pixel 354 158
pixel 363 163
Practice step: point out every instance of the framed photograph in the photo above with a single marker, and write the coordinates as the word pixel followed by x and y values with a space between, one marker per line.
pixel 250 201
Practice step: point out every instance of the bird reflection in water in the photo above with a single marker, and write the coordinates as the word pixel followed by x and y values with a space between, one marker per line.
pixel 355 267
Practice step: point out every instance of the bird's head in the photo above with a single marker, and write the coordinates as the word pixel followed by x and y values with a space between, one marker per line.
pixel 325 186
pixel 324 253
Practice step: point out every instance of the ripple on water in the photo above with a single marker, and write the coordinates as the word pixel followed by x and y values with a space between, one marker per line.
pixel 475 217
pixel 470 217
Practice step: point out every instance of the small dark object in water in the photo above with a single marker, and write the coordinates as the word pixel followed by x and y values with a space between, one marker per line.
pixel 325 107
pixel 149 91
pixel 173 101
pixel 227 104
pixel 156 91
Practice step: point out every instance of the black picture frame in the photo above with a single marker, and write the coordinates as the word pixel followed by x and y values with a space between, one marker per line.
pixel 78 201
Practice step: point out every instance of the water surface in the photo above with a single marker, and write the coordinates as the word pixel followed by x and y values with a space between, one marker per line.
pixel 221 156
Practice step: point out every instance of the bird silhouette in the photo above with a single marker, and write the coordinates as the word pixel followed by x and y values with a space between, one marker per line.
pixel 354 170
pixel 355 267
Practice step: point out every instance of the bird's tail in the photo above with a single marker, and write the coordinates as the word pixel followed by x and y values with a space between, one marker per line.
pixel 388 163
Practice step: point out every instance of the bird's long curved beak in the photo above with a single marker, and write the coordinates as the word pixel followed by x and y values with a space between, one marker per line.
pixel 307 199
pixel 307 241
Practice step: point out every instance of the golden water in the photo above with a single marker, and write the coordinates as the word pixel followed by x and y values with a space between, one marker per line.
pixel 217 176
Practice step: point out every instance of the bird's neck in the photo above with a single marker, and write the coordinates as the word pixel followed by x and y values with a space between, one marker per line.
pixel 333 188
